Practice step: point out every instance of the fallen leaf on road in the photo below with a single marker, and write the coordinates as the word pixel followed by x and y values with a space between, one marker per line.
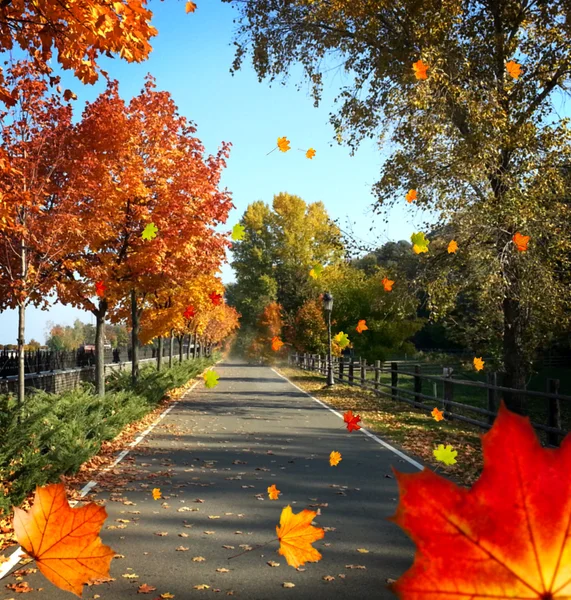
pixel 288 584
pixel 130 576
pixel 198 559
pixel 328 578
pixel 228 547
pixel 20 588
pixel 223 570
pixel 182 549
pixel 208 532
pixel 161 533
pixel 362 550
pixel 167 596
pixel 145 589
pixel 355 567
pixel 202 586
pixel 213 517
pixel 273 563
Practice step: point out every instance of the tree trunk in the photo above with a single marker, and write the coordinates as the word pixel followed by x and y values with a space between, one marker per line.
pixel 188 347
pixel 515 368
pixel 200 347
pixel 180 338
pixel 160 354
pixel 194 342
pixel 171 349
pixel 99 348
pixel 21 363
pixel 134 338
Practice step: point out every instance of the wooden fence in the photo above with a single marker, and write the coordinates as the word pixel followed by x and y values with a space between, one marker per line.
pixel 355 372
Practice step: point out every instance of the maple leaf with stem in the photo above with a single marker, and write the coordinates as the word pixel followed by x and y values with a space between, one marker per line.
pixel 351 421
pixel 419 243
pixel 334 458
pixel 452 247
pixel 276 344
pixel 411 195
pixel 437 414
pixel 387 284
pixel 296 534
pixel 361 326
pixel 520 241
pixel 513 69
pixel 273 492
pixel 478 364
pixel 156 493
pixel 512 525
pixel 189 312
pixel 238 232
pixel 310 153
pixel 420 69
pixel 342 339
pixel 283 144
pixel 64 541
pixel 446 455
pixel 210 379
pixel 150 231
pixel 100 288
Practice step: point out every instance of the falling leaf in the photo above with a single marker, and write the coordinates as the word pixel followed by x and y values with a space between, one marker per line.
pixel 411 195
pixel 351 421
pixel 513 523
pixel 342 339
pixel 419 243
pixel 316 270
pixel 361 326
pixel 478 364
pixel 63 541
pixel 438 415
pixel 283 144
pixel 273 492
pixel 150 232
pixel 189 312
pixel 310 153
pixel 156 493
pixel 420 69
pixel 452 247
pixel 387 284
pixel 210 379
pixel 238 232
pixel 100 288
pixel 276 344
pixel 190 7
pixel 513 69
pixel 334 458
pixel 296 534
pixel 520 242
pixel 145 589
pixel 445 455
pixel 69 95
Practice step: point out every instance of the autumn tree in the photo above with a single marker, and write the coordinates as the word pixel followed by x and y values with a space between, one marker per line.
pixel 268 326
pixel 465 88
pixel 308 331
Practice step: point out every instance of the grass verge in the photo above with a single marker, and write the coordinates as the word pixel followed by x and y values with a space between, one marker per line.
pixel 405 427
pixel 60 432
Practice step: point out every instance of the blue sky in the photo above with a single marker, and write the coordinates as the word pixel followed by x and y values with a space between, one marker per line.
pixel 191 58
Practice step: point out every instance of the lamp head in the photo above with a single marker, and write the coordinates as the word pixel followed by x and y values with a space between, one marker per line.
pixel 327 301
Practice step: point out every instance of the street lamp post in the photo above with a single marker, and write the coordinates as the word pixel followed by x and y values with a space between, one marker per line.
pixel 328 307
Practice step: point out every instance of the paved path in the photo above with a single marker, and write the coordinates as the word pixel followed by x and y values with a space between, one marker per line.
pixel 214 455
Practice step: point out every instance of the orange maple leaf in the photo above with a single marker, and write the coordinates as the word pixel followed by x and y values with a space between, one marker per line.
pixel 310 153
pixel 411 195
pixel 296 534
pixel 335 458
pixel 420 69
pixel 156 493
pixel 452 247
pixel 387 284
pixel 351 421
pixel 437 414
pixel 276 344
pixel 520 241
pixel 273 492
pixel 513 69
pixel 283 144
pixel 507 527
pixel 361 326
pixel 478 364
pixel 64 541
pixel 100 289
pixel 190 7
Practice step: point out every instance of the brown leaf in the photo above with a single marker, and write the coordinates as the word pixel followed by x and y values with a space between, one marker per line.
pixel 145 589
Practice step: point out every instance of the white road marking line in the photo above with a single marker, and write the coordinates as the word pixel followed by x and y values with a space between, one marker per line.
pixel 365 431
pixel 19 553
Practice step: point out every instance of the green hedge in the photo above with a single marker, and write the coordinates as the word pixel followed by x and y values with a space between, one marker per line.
pixel 59 432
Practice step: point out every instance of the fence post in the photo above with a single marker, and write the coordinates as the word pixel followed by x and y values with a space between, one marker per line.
pixel 448 392
pixel 492 404
pixel 319 369
pixel 417 384
pixel 341 366
pixel 377 374
pixel 394 379
pixel 554 415
pixel 363 372
pixel 351 367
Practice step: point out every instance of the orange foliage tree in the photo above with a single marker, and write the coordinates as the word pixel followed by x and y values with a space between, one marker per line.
pixel 269 325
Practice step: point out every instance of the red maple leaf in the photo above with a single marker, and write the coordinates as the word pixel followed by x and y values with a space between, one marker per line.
pixel 100 289
pixel 351 421
pixel 506 537
pixel 189 312
pixel 216 298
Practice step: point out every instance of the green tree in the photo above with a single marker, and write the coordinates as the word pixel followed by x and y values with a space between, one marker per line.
pixel 472 138
pixel 308 332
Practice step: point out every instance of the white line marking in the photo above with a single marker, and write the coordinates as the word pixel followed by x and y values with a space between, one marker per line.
pixel 365 431
pixel 19 553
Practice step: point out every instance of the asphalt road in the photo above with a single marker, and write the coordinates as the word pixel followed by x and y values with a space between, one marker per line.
pixel 214 455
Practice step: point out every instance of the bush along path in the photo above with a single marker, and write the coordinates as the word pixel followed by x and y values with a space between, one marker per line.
pixel 73 437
